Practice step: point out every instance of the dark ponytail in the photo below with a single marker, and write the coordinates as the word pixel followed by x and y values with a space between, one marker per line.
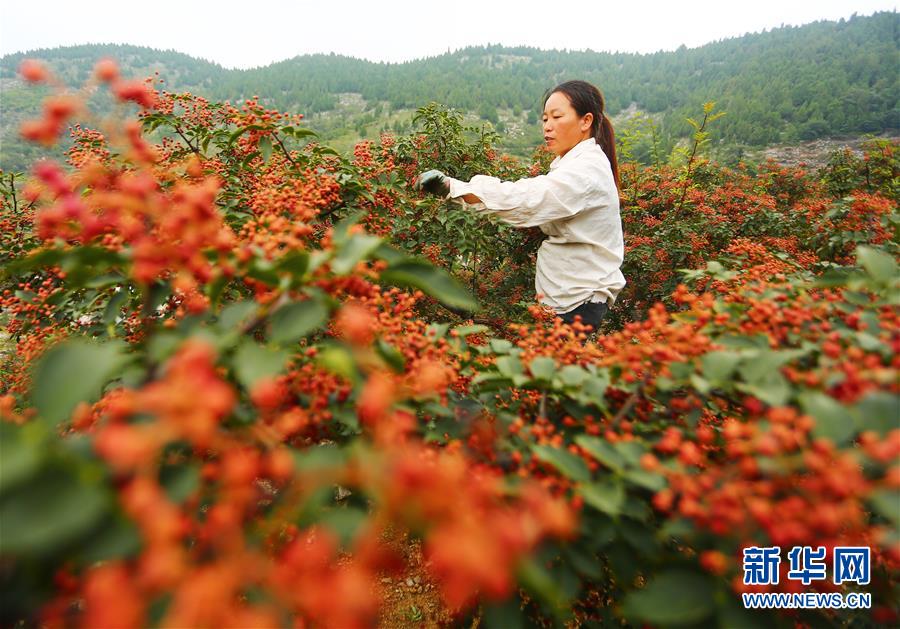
pixel 587 99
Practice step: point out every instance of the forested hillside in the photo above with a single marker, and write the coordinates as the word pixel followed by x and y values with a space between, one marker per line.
pixel 785 85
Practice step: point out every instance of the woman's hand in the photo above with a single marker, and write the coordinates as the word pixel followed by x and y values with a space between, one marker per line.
pixel 433 182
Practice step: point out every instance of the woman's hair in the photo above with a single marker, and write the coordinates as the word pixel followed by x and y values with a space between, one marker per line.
pixel 587 99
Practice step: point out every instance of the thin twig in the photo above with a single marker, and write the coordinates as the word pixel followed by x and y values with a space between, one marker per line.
pixel 184 137
pixel 12 188
pixel 284 150
pixel 690 164
pixel 629 403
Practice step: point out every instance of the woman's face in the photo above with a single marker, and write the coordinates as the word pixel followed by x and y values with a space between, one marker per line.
pixel 563 128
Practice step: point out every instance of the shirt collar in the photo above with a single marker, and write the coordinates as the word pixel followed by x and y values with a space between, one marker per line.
pixel 573 152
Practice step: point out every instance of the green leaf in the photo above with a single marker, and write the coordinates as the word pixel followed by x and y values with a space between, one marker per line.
pixel 161 346
pixel 636 508
pixel 880 265
pixel 299 132
pixel 320 457
pixel 389 254
pixel 510 366
pixel 430 280
pixel 349 253
pixel 215 290
pixel 296 263
pixel 179 481
pixel 115 539
pixel 664 383
pixel 468 330
pixel 115 305
pixel 640 537
pixel 338 359
pixel 597 530
pixel 623 561
pixel 645 479
pixel 72 372
pixel 253 362
pixel 758 367
pixel 594 389
pixel 492 382
pixel 870 343
pixel 348 419
pixel 673 597
pixel 773 389
pixel 733 615
pixel 345 522
pixel 568 464
pixel 833 277
pixel 295 320
pixel 833 420
pixel 506 615
pixel 887 503
pixel 679 528
pixel 81 264
pixel 543 368
pixel 237 314
pixel 159 292
pixel 681 371
pixel 878 411
pixel 572 375
pixel 437 331
pixel 391 355
pixel 538 581
pixel 607 495
pixel 264 271
pixel 341 231
pixel 857 298
pixel 602 450
pixel 236 134
pixel 51 511
pixel 500 346
pixel 632 451
pixel 702 385
pixel 719 366
pixel 19 459
pixel 265 147
pixel 586 563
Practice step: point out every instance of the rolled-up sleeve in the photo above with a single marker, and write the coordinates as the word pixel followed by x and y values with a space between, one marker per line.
pixel 561 194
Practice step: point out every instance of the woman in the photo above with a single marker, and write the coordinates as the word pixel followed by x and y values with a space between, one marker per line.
pixel 576 204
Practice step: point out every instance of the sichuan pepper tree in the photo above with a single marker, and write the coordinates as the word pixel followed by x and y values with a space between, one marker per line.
pixel 230 387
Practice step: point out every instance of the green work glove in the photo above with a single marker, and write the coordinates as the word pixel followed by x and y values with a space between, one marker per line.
pixel 433 182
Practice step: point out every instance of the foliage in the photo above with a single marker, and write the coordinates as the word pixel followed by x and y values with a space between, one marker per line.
pixel 236 387
pixel 878 169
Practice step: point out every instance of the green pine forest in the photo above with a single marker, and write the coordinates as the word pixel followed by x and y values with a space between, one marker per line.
pixel 781 86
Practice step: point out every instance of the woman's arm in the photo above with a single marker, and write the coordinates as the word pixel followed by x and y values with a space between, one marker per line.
pixel 534 201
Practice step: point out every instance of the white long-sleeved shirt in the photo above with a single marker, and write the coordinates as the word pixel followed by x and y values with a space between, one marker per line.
pixel 577 205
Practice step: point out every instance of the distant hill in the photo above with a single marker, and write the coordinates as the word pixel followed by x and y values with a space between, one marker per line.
pixel 785 85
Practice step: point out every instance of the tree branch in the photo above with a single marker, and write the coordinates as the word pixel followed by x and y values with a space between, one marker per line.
pixel 188 142
pixel 12 189
pixel 629 403
pixel 283 149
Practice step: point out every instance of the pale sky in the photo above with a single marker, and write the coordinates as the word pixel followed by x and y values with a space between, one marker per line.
pixel 249 33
